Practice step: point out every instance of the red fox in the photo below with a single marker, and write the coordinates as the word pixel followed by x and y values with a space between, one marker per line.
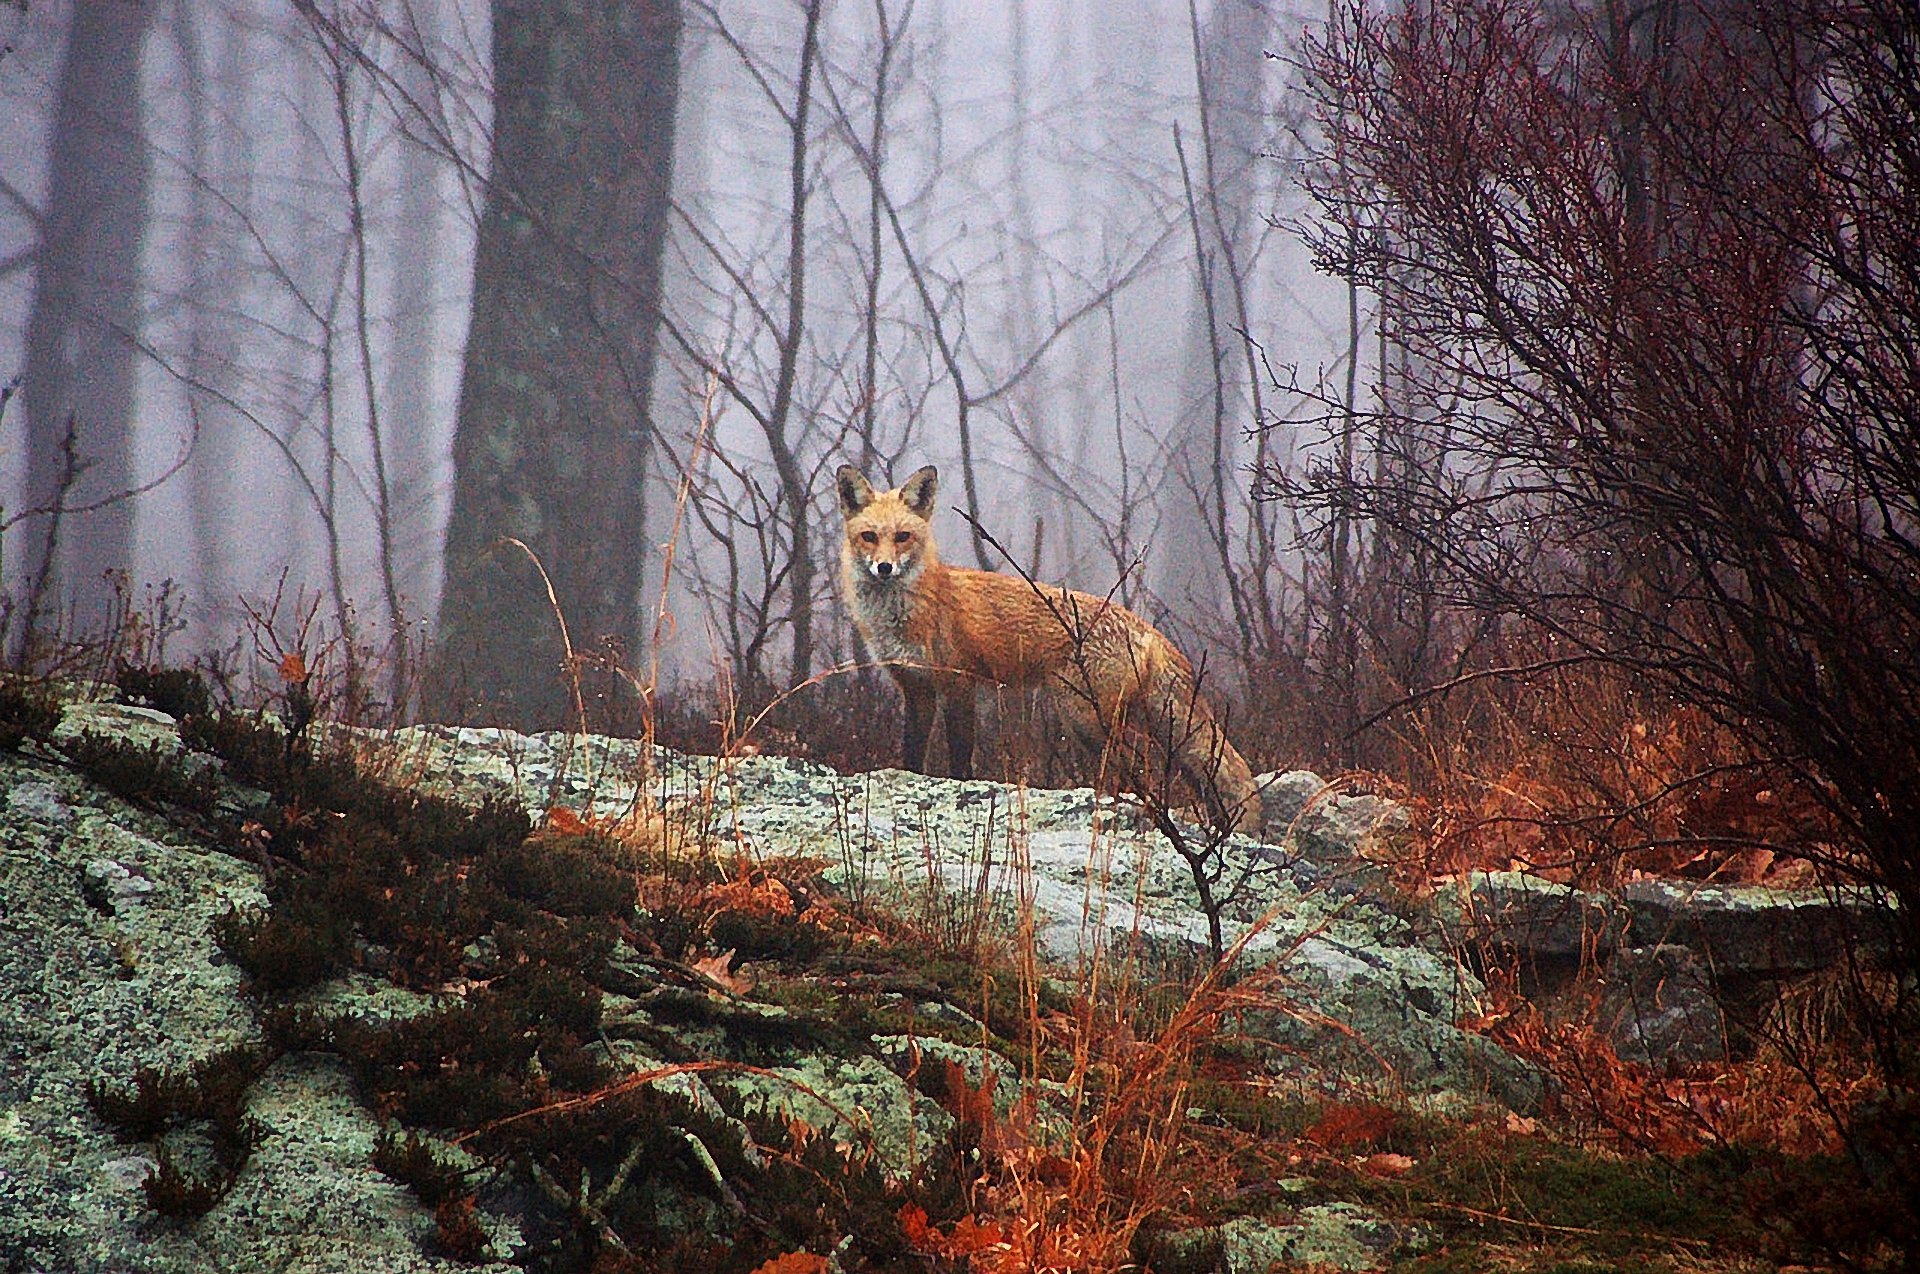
pixel 944 630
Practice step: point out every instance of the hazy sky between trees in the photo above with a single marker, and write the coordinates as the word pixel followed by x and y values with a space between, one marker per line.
pixel 1041 248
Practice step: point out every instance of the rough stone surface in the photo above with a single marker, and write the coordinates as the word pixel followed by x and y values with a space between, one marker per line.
pixel 107 964
pixel 1669 954
pixel 1754 929
pixel 857 1102
pixel 1745 929
pixel 1659 1006
pixel 1336 1236
pixel 1098 880
pixel 1522 912
pixel 1322 821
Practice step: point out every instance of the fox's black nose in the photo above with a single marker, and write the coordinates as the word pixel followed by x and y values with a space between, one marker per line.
pixel 883 569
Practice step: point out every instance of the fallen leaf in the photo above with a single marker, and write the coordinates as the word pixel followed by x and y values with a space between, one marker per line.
pixel 565 821
pixel 794 1263
pixel 1386 1164
pixel 717 968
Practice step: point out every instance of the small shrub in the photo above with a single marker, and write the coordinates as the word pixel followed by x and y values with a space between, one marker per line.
pixel 178 692
pixel 282 952
pixel 459 1232
pixel 177 1191
pixel 213 1088
pixel 417 1163
pixel 209 1098
pixel 26 712
pixel 566 875
pixel 152 775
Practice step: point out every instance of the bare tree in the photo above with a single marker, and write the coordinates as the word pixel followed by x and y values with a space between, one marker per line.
pixel 77 396
pixel 553 431
pixel 1673 379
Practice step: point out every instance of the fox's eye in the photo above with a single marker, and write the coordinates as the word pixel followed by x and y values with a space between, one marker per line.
pixel 869 537
pixel 903 537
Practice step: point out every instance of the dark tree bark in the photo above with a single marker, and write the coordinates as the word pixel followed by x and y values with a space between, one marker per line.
pixel 80 358
pixel 553 429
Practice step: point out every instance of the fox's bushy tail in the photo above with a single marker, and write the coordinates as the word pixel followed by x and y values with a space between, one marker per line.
pixel 1175 715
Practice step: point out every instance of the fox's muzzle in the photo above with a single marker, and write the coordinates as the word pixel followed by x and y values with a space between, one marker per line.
pixel 882 570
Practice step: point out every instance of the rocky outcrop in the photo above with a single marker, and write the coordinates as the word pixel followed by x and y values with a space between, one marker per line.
pixel 1738 929
pixel 1374 1004
pixel 1671 956
pixel 108 966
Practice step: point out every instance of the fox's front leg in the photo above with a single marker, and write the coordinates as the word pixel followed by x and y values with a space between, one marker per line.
pixel 956 705
pixel 917 690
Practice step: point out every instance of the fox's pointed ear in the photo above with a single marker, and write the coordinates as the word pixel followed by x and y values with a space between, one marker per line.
pixel 918 491
pixel 856 493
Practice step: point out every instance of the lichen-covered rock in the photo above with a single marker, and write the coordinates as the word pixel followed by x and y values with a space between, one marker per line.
pixel 1097 879
pixel 1524 913
pixel 311 1199
pixel 1324 1236
pixel 858 1103
pixel 107 964
pixel 1755 929
pixel 1324 821
pixel 1740 929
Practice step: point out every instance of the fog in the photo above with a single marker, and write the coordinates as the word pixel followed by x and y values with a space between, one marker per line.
pixel 1086 294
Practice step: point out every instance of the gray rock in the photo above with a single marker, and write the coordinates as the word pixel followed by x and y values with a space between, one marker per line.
pixel 89 994
pixel 1659 1006
pixel 1754 929
pixel 1285 794
pixel 1097 879
pixel 109 886
pixel 1319 819
pixel 96 990
pixel 1737 929
pixel 1338 1236
pixel 1516 911
pixel 859 1103
pixel 142 727
pixel 39 801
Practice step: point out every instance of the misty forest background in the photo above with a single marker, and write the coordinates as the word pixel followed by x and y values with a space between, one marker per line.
pixel 346 292
pixel 1516 400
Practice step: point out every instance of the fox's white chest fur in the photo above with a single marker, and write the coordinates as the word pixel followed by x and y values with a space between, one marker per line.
pixel 881 609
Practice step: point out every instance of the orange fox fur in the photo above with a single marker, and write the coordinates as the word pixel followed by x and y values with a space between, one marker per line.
pixel 944 630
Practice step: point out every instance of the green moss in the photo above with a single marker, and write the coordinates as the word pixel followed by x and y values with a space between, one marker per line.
pixel 1562 1186
pixel 1251 1110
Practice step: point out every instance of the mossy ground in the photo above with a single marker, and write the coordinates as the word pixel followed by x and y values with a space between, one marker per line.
pixel 548 957
pixel 1491 1197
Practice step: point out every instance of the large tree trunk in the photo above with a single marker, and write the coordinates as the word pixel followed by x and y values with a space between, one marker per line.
pixel 553 429
pixel 78 391
pixel 418 255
